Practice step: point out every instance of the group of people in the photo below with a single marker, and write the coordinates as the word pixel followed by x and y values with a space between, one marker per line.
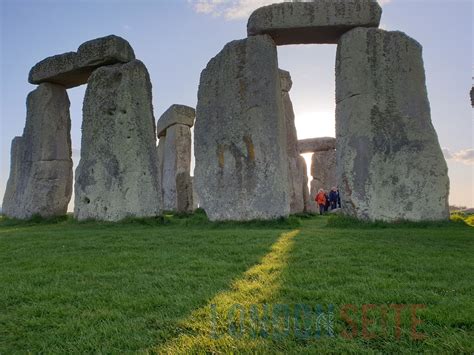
pixel 328 201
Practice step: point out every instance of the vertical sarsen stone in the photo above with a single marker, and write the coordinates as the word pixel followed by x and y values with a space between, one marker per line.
pixel 176 177
pixel 40 181
pixel 160 150
pixel 240 145
pixel 296 173
pixel 117 176
pixel 174 157
pixel 323 171
pixel 390 164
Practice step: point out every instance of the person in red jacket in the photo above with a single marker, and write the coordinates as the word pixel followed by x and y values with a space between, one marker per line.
pixel 321 201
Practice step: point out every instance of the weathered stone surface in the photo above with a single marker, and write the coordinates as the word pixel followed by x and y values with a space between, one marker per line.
pixel 160 151
pixel 196 203
pixel 74 68
pixel 313 191
pixel 336 211
pixel 105 50
pixel 241 168
pixel 285 80
pixel 117 176
pixel 175 114
pixel 390 164
pixel 184 193
pixel 323 169
pixel 295 179
pixel 13 201
pixel 40 181
pixel 312 145
pixel 304 178
pixel 176 181
pixel 319 21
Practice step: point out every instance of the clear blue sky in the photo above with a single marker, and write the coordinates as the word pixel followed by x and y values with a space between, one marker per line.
pixel 176 39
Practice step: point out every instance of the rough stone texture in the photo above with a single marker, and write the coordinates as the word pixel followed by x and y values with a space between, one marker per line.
pixel 184 195
pixel 295 179
pixel 285 80
pixel 74 68
pixel 313 191
pixel 241 168
pixel 304 179
pixel 117 176
pixel 40 181
pixel 175 114
pixel 323 169
pixel 160 151
pixel 176 180
pixel 196 204
pixel 312 145
pixel 319 21
pixel 390 164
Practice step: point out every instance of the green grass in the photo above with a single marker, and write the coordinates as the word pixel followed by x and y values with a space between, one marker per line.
pixel 168 285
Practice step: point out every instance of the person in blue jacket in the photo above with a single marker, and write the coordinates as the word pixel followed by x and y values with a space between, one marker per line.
pixel 334 198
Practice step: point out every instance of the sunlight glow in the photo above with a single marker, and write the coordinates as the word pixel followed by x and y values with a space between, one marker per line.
pixel 257 286
pixel 307 158
pixel 315 124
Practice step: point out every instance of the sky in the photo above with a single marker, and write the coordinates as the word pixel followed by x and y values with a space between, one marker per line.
pixel 176 39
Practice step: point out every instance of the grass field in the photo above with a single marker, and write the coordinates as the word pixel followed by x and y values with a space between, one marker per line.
pixel 184 285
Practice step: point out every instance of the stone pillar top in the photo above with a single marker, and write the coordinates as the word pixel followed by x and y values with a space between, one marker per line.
pixel 312 145
pixel 285 80
pixel 74 68
pixel 319 21
pixel 175 114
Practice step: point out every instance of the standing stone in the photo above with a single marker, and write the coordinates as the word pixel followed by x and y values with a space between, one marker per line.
pixel 196 203
pixel 295 178
pixel 390 164
pixel 240 145
pixel 174 155
pixel 117 176
pixel 304 179
pixel 316 21
pixel 160 150
pixel 323 169
pixel 176 183
pixel 40 180
pixel 13 201
pixel 313 191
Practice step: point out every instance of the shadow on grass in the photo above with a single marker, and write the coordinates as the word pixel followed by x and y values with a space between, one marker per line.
pixel 195 219
pixel 341 221
pixel 35 220
pixel 334 267
pixel 206 330
pixel 122 289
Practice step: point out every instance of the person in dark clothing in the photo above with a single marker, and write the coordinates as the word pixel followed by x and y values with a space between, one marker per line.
pixel 333 198
pixel 328 204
